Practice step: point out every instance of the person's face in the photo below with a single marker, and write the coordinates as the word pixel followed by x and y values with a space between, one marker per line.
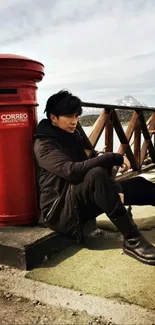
pixel 66 122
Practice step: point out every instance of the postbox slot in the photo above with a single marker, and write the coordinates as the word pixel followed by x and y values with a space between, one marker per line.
pixel 8 91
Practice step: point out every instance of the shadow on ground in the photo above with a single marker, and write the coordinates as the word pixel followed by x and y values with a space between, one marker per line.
pixel 100 268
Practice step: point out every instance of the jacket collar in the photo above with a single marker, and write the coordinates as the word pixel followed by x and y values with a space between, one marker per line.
pixel 45 130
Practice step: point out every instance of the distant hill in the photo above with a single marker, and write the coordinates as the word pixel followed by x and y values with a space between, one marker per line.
pixel 129 101
pixel 88 120
pixel 123 115
pixel 124 101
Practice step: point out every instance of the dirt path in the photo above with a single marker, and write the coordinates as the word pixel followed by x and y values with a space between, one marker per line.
pixel 27 302
pixel 15 310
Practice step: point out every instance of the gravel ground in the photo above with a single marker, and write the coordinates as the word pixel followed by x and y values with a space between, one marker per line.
pixel 16 310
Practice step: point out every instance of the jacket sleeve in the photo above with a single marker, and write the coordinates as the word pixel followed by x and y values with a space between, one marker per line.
pixel 54 160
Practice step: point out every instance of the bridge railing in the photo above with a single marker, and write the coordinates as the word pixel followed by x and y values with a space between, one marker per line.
pixel 137 141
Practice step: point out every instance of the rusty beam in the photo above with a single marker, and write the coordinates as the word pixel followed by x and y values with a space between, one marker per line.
pixel 109 106
pixel 109 136
pixel 129 130
pixel 137 143
pixel 124 141
pixel 147 145
pixel 98 127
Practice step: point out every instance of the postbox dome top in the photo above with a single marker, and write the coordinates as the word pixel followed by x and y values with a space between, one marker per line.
pixel 17 57
pixel 13 66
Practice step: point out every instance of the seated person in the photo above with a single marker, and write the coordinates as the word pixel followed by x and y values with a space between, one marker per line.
pixel 74 189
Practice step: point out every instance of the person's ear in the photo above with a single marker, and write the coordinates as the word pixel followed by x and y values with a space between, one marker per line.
pixel 53 118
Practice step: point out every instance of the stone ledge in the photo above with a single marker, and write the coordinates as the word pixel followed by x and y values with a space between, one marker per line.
pixel 26 247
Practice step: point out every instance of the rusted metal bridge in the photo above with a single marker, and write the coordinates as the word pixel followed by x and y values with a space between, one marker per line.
pixel 137 142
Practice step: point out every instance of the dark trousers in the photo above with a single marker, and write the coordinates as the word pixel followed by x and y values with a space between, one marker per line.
pixel 138 191
pixel 98 193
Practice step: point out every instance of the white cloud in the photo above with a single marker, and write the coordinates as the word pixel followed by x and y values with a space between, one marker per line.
pixel 100 50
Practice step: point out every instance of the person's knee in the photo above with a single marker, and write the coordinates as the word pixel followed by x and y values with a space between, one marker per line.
pixel 97 173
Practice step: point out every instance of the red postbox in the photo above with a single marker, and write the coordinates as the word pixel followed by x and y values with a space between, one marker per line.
pixel 18 103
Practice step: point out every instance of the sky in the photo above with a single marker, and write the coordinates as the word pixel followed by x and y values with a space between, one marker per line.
pixel 100 50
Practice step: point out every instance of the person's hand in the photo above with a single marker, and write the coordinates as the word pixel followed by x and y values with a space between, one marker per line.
pixel 126 162
pixel 126 165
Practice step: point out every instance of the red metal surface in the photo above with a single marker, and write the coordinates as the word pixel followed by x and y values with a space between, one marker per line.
pixel 18 103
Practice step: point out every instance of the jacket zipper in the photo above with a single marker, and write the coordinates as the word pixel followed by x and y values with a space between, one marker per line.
pixel 49 212
pixel 79 231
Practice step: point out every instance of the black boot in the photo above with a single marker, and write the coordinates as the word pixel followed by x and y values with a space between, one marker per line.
pixel 140 248
pixel 135 244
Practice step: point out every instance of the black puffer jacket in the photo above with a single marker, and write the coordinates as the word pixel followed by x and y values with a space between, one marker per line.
pixel 61 162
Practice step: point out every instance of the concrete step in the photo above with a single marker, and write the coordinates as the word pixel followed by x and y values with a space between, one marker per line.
pixel 25 247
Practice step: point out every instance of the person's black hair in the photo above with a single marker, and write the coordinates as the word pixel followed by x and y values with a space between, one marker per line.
pixel 63 103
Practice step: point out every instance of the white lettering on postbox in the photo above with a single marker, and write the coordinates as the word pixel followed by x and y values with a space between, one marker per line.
pixel 18 119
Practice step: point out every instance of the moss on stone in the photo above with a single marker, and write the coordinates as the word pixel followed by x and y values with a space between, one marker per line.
pixel 101 269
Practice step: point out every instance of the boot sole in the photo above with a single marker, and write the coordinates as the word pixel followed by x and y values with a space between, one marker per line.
pixel 141 259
